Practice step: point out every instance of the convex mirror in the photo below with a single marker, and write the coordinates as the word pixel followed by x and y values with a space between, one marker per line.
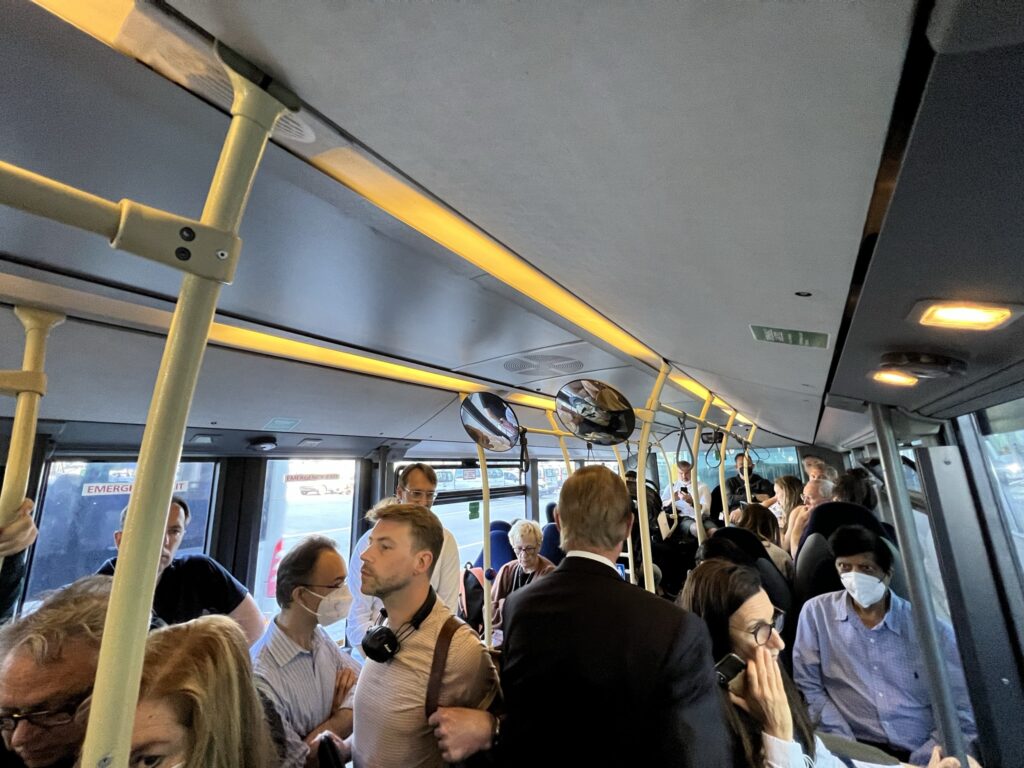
pixel 490 422
pixel 595 412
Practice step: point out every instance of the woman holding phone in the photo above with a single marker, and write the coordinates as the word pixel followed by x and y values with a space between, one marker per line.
pixel 769 722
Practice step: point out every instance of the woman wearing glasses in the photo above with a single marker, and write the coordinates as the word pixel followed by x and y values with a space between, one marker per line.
pixel 768 720
pixel 525 537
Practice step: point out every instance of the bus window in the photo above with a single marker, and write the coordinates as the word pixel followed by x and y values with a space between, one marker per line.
pixel 1003 427
pixel 468 532
pixel 302 497
pixel 550 477
pixel 81 509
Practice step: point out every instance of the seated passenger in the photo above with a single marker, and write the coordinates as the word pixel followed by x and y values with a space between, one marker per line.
pixel 191 586
pixel 528 566
pixel 682 491
pixel 768 721
pixel 15 538
pixel 822 471
pixel 197 704
pixel 297 666
pixel 858 662
pixel 47 665
pixel 416 485
pixel 764 524
pixel 815 492
pixel 736 487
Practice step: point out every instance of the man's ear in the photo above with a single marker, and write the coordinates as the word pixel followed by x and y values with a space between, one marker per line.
pixel 117 539
pixel 558 520
pixel 423 560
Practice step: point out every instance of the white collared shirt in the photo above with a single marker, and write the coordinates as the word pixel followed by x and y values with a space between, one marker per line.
pixel 591 556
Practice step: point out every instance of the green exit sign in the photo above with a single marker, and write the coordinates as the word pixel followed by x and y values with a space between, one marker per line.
pixel 474 510
pixel 789 336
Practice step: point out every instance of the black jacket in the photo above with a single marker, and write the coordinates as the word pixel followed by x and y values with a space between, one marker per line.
pixel 598 672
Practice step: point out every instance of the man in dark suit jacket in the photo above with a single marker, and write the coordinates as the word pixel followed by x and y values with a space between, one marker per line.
pixel 596 671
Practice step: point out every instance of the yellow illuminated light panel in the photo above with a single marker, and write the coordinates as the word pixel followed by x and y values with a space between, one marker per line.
pixel 254 341
pixel 103 19
pixel 966 316
pixel 895 378
pixel 428 217
pixel 533 401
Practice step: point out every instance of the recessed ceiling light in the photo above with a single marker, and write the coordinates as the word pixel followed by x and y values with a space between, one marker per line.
pixel 965 315
pixel 204 439
pixel 802 294
pixel 895 378
pixel 310 442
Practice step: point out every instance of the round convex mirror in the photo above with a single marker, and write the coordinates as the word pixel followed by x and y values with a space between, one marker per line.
pixel 490 421
pixel 595 412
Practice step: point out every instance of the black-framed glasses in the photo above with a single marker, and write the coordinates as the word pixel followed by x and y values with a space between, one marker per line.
pixel 415 495
pixel 44 718
pixel 763 632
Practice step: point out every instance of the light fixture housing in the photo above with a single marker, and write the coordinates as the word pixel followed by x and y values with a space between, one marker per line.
pixel 921 365
pixel 965 315
pixel 263 443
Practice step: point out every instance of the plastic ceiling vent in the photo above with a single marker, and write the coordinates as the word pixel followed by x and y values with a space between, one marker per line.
pixel 543 364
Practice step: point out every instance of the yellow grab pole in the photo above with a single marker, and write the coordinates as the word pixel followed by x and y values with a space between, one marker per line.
pixel 561 441
pixel 746 467
pixel 486 515
pixel 694 473
pixel 629 540
pixel 116 690
pixel 721 462
pixel 670 468
pixel 37 324
pixel 641 477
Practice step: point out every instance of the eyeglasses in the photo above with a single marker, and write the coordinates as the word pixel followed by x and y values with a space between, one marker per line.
pixel 525 550
pixel 47 718
pixel 414 495
pixel 763 632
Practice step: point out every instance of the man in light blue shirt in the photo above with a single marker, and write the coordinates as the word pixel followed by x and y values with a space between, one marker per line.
pixel 858 662
pixel 309 680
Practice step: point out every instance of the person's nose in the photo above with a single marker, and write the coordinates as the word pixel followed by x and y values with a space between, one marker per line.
pixel 776 641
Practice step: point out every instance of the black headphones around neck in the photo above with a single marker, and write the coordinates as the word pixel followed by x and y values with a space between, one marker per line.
pixel 381 643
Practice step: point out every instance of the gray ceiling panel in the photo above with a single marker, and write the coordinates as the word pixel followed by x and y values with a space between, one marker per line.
pixel 954 230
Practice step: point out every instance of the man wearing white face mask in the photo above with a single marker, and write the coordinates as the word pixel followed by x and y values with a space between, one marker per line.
pixel 297 666
pixel 858 662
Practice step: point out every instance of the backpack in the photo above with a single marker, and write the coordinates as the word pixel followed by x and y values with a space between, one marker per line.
pixel 471 598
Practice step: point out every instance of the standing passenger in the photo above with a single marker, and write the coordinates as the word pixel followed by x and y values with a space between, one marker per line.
pixel 297 665
pixel 596 671
pixel 15 538
pixel 191 586
pixel 391 729
pixel 417 484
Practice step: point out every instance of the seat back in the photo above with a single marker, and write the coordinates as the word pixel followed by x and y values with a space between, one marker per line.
pixel 501 551
pixel 549 545
pixel 501 525
pixel 815 570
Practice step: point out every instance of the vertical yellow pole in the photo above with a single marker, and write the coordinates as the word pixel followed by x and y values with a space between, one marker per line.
pixel 629 540
pixel 37 324
pixel 108 738
pixel 695 472
pixel 561 441
pixel 746 469
pixel 641 477
pixel 721 462
pixel 485 486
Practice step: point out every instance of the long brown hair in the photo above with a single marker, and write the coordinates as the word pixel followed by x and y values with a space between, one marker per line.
pixel 715 591
pixel 202 669
pixel 759 519
pixel 791 488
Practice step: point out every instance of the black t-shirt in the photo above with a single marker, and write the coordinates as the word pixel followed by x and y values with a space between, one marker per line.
pixel 737 489
pixel 190 587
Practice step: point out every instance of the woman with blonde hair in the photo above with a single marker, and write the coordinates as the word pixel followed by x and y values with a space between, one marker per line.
pixel 787 494
pixel 198 706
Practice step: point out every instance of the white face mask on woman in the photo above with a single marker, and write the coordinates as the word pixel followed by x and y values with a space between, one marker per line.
pixel 333 606
pixel 865 590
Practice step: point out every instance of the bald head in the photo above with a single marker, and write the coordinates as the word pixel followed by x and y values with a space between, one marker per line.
pixel 817 491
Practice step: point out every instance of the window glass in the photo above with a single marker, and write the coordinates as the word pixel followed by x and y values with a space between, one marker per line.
pixel 456 479
pixel 1004 447
pixel 769 463
pixel 82 507
pixel 551 475
pixel 302 497
pixel 468 531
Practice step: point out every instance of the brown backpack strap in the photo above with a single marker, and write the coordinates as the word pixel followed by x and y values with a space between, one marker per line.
pixel 444 641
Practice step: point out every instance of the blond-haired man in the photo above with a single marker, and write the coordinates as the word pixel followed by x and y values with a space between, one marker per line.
pixel 598 670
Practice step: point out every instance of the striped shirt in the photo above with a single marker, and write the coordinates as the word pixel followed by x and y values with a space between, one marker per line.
pixel 870 684
pixel 391 729
pixel 299 683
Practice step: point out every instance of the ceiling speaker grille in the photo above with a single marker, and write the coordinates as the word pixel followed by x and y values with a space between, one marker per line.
pixel 543 364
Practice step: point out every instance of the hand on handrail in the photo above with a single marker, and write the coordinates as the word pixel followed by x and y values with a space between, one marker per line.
pixel 21 533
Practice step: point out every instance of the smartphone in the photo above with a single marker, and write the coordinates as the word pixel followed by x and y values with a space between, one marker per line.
pixel 730 673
